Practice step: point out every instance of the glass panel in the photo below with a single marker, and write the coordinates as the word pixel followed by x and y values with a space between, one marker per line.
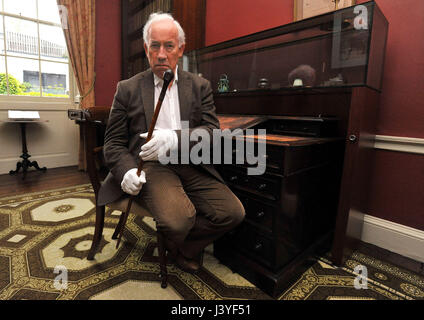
pixel 377 50
pixel 3 83
pixel 1 36
pixel 48 11
pixel 53 45
pixel 55 79
pixel 25 8
pixel 23 76
pixel 328 50
pixel 21 38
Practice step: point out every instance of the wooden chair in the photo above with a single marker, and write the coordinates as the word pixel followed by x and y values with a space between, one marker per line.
pixel 92 125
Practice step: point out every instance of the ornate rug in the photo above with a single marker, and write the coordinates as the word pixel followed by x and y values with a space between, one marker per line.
pixel 45 238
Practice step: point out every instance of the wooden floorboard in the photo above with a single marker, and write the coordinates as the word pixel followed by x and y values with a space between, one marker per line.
pixel 35 181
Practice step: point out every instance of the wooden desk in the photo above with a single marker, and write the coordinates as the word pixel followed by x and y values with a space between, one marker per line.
pixel 290 208
pixel 25 163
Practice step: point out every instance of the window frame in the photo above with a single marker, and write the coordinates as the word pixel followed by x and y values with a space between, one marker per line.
pixel 40 102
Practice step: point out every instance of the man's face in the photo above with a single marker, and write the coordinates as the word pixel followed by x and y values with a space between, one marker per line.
pixel 162 50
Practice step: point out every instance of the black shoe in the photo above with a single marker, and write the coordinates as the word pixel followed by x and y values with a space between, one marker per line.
pixel 188 265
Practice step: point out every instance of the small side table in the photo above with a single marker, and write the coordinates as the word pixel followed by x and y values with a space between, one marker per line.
pixel 25 163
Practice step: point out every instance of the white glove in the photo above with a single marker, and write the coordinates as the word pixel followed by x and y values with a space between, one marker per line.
pixel 131 183
pixel 161 142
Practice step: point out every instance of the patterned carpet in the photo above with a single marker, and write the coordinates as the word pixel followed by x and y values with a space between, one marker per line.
pixel 45 237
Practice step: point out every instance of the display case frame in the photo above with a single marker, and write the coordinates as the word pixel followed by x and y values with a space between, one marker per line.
pixel 341 48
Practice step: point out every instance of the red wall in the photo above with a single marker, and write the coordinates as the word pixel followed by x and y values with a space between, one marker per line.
pixel 397 186
pixel 402 105
pixel 108 50
pixel 228 19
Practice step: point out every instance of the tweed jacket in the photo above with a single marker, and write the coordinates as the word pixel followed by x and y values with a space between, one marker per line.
pixel 131 114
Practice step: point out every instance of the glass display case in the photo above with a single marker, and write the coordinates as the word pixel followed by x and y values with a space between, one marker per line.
pixel 341 48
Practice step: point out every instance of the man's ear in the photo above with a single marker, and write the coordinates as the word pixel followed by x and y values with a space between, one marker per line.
pixel 181 51
pixel 146 49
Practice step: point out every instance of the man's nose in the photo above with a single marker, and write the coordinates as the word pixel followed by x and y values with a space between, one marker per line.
pixel 162 53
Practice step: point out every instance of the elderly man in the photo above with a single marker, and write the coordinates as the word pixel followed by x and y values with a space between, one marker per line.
pixel 190 203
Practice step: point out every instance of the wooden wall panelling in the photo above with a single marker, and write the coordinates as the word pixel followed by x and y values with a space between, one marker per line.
pixel 190 14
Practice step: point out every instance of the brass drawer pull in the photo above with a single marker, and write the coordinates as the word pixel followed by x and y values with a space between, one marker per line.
pixel 262 186
pixel 260 214
pixel 258 247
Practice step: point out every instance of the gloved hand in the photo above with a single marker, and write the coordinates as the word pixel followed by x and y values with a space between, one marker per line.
pixel 131 183
pixel 161 142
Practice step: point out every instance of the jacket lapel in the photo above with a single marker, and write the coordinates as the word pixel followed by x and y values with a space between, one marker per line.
pixel 184 95
pixel 148 96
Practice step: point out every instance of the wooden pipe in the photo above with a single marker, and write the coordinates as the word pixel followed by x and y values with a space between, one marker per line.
pixel 168 75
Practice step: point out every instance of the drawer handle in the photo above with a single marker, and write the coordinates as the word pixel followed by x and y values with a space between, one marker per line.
pixel 233 178
pixel 260 214
pixel 258 247
pixel 262 186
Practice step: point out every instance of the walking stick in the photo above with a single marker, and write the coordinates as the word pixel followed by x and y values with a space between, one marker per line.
pixel 167 78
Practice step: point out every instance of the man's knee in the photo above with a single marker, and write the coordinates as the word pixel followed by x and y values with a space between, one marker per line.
pixel 177 225
pixel 236 212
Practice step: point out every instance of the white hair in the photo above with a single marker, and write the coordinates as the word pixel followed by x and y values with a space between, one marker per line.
pixel 158 16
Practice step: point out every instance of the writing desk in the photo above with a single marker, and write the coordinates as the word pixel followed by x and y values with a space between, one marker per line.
pixel 25 163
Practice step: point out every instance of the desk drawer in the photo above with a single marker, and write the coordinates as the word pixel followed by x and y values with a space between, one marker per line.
pixel 265 185
pixel 272 252
pixel 248 240
pixel 273 157
pixel 258 212
pixel 287 159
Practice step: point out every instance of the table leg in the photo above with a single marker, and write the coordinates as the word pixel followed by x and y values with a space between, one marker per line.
pixel 25 163
pixel 18 166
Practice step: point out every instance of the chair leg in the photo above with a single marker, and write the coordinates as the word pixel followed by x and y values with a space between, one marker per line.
pixel 202 253
pixel 118 227
pixel 98 231
pixel 162 259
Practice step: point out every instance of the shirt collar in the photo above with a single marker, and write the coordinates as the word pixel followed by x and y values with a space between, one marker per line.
pixel 159 82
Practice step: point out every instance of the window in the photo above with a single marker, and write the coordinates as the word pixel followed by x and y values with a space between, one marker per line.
pixel 33 56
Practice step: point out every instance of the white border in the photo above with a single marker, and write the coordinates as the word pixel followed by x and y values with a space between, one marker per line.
pixel 402 144
pixel 403 240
